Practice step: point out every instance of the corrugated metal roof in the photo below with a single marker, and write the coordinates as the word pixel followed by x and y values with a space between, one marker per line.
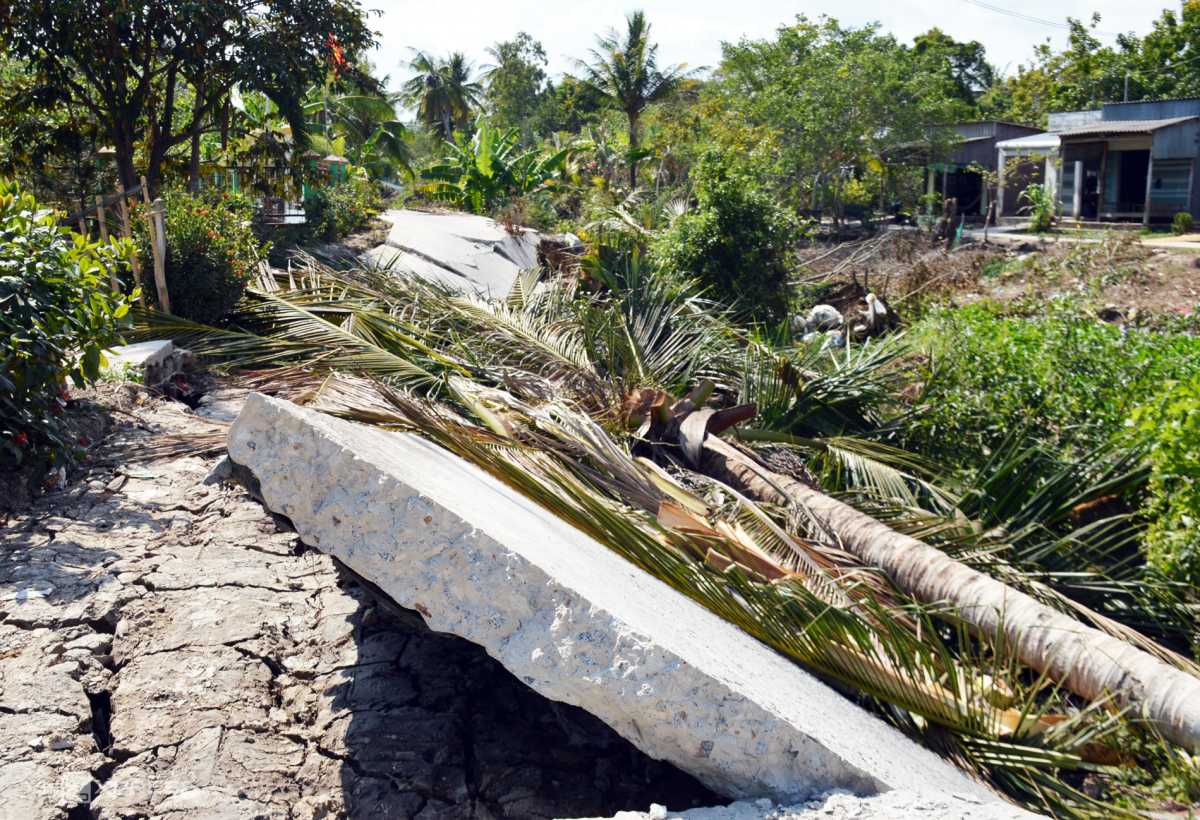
pixel 1156 99
pixel 1124 126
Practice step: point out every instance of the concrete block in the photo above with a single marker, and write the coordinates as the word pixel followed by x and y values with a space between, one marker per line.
pixel 570 618
pixel 156 361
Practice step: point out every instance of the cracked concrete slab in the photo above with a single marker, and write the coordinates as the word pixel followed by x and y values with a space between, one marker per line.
pixel 573 620
pixel 191 658
pixel 466 253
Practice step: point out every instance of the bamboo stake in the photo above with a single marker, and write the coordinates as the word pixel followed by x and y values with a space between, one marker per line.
pixel 127 231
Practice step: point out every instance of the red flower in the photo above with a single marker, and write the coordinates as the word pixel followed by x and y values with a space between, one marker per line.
pixel 21 439
pixel 56 410
pixel 83 441
pixel 63 394
pixel 211 235
pixel 339 60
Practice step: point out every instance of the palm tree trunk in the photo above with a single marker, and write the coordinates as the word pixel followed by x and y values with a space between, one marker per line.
pixel 1087 662
pixel 633 144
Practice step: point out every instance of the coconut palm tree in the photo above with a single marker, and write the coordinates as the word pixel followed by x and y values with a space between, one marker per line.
pixel 624 68
pixel 442 90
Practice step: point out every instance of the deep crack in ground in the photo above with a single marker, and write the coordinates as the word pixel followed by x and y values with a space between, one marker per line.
pixel 169 649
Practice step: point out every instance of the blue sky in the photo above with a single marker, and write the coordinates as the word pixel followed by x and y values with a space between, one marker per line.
pixel 692 30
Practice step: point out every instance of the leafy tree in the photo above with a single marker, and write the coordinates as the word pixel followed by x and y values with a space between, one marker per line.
pixel 1087 73
pixel 516 82
pixel 53 152
pixel 365 121
pixel 965 63
pixel 737 240
pixel 624 69
pixel 839 100
pixel 443 91
pixel 141 59
pixel 571 106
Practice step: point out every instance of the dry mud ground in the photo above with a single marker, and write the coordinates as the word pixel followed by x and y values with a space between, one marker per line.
pixel 170 650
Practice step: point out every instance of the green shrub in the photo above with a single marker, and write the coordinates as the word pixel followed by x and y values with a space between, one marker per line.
pixel 335 211
pixel 1065 377
pixel 57 313
pixel 737 241
pixel 1040 205
pixel 1170 423
pixel 1183 223
pixel 212 253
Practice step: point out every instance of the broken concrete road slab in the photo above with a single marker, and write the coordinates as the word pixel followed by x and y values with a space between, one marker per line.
pixel 571 619
pixel 469 254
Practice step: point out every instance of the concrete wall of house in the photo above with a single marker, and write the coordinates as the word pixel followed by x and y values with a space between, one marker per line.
pixel 1066 120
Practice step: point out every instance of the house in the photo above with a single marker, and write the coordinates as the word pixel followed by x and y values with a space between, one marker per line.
pixel 1136 162
pixel 1033 160
pixel 958 177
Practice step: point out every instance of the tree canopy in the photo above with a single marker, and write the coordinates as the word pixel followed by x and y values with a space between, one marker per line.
pixel 154 74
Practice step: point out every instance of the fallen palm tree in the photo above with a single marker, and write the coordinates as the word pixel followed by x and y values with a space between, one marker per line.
pixel 546 393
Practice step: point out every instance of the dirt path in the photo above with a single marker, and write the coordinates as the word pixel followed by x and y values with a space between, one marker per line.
pixel 169 650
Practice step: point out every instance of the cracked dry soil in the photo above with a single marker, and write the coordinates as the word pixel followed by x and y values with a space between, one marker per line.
pixel 170 650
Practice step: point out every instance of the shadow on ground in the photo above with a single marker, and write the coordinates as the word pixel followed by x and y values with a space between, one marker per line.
pixel 439 729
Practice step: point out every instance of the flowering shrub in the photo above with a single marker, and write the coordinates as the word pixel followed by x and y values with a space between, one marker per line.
pixel 335 211
pixel 212 253
pixel 58 312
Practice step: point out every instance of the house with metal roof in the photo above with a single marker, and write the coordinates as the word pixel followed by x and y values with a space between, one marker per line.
pixel 957 175
pixel 1136 162
pixel 1033 160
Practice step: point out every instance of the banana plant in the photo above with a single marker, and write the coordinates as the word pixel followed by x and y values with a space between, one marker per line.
pixel 490 169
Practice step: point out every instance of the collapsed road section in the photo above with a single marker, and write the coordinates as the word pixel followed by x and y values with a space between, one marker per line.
pixel 571 619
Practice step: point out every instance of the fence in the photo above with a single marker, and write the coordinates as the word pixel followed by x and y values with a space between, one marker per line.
pixel 155 226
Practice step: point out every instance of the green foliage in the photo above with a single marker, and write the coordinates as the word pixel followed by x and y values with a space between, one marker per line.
pixel 836 97
pixel 1182 223
pixel 212 253
pixel 58 312
pixel 1089 72
pixel 1040 205
pixel 487 172
pixel 1066 378
pixel 175 63
pixel 1170 423
pixel 737 241
pixel 336 211
pixel 516 82
pixel 442 91
pixel 624 70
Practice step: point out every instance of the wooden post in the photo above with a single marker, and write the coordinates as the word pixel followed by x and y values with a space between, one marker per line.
pixel 158 246
pixel 160 255
pixel 1149 187
pixel 160 261
pixel 127 231
pixel 112 276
